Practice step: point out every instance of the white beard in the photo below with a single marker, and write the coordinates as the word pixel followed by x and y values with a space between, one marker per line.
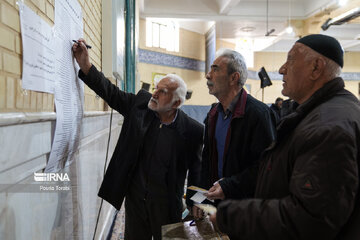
pixel 156 108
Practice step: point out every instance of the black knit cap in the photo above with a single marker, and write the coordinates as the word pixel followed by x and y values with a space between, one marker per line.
pixel 325 45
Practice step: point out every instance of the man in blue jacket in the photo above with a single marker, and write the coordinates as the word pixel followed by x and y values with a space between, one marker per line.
pixel 158 144
pixel 237 130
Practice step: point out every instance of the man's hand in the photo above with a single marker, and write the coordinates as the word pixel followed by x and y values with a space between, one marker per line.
pixel 81 55
pixel 215 192
pixel 197 212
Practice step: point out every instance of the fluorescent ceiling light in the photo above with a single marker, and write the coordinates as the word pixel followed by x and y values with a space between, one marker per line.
pixel 289 29
pixel 342 2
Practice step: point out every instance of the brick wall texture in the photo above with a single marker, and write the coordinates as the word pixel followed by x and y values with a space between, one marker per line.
pixel 12 97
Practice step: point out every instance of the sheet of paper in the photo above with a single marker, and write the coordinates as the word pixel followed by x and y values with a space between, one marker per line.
pixel 198 197
pixel 38 51
pixel 69 90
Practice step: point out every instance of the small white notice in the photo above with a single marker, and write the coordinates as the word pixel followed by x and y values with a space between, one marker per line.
pixel 38 52
pixel 199 196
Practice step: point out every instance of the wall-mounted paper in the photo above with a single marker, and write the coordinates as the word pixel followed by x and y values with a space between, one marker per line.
pixel 38 52
pixel 69 89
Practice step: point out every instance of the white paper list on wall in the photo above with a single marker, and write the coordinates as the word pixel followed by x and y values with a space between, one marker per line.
pixel 38 51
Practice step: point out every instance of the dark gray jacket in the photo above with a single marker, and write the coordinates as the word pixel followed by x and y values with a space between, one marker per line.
pixel 251 130
pixel 308 185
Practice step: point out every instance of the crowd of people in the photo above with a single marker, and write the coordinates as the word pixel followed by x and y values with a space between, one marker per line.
pixel 289 171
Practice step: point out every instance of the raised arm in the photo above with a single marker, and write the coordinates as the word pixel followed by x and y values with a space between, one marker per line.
pixel 117 99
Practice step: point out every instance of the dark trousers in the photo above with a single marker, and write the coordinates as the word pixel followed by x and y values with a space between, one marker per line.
pixel 144 218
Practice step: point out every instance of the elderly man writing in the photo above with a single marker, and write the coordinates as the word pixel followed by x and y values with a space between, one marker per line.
pixel 158 144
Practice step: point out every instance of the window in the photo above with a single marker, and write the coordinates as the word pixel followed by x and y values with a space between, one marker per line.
pixel 246 48
pixel 162 34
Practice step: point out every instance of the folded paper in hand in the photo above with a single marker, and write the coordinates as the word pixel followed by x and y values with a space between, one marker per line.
pixel 199 197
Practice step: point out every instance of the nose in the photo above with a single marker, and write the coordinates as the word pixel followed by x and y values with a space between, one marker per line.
pixel 155 94
pixel 207 76
pixel 282 69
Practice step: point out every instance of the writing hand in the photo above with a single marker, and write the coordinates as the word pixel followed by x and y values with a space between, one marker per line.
pixel 81 55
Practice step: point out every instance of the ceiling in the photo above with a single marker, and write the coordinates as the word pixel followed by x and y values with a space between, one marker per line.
pixel 252 19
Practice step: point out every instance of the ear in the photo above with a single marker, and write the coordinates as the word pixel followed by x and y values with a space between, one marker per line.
pixel 235 78
pixel 318 66
pixel 176 104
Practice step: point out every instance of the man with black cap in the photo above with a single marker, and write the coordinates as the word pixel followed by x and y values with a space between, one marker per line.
pixel 308 183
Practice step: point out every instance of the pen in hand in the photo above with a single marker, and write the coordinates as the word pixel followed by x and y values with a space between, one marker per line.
pixel 87 46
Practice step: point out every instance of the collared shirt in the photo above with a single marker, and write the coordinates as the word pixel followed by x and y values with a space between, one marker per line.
pixel 176 114
pixel 221 130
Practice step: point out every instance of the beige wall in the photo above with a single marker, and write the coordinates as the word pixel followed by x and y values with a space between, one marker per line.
pixel 192 45
pixel 12 97
pixel 224 44
pixel 352 62
pixel 272 61
pixel 270 93
pixel 353 86
pixel 195 81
